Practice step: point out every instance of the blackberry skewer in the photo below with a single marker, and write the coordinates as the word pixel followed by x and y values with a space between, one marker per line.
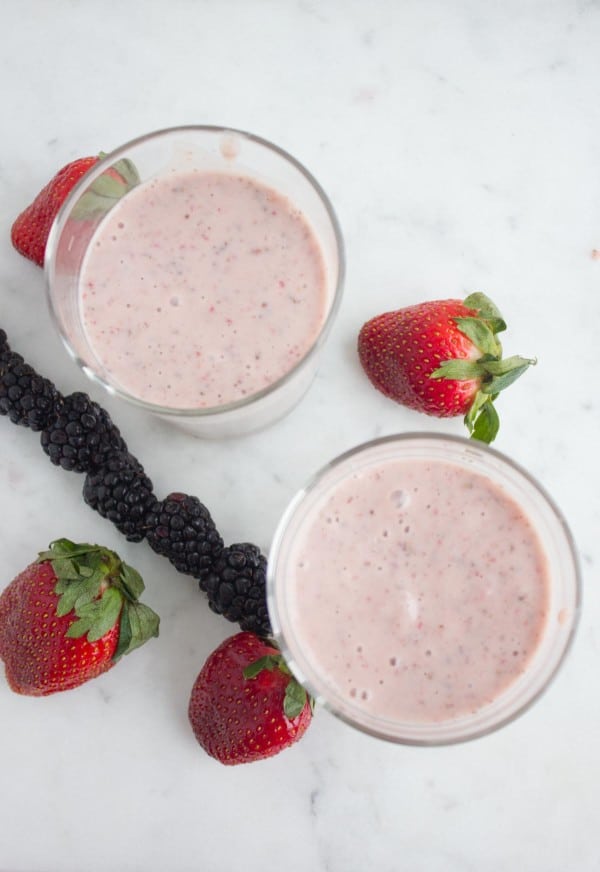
pixel 79 435
pixel 28 399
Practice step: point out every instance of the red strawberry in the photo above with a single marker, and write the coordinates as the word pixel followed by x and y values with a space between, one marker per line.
pixel 442 358
pixel 30 231
pixel 245 705
pixel 69 617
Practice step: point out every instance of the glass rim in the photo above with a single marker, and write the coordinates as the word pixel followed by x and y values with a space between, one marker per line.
pixel 379 732
pixel 108 160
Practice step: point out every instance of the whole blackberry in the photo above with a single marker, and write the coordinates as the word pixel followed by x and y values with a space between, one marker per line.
pixel 26 397
pixel 121 491
pixel 82 437
pixel 236 588
pixel 180 528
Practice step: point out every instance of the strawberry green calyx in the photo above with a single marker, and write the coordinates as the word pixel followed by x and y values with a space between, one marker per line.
pixel 493 372
pixel 101 590
pixel 295 697
pixel 116 181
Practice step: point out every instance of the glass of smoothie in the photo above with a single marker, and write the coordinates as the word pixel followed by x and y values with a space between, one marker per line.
pixel 196 272
pixel 425 588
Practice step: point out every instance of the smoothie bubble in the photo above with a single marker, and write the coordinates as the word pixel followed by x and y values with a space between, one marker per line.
pixel 400 498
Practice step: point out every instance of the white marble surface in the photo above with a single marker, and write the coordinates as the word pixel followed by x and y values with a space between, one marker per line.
pixel 459 142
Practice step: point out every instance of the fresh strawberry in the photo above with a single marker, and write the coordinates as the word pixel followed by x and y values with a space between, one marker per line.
pixel 245 705
pixel 30 231
pixel 69 617
pixel 442 358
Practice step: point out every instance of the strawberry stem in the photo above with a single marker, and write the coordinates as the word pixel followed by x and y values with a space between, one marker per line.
pixel 494 373
pixel 100 589
pixel 482 419
pixel 487 310
pixel 116 181
pixel 295 697
pixel 269 661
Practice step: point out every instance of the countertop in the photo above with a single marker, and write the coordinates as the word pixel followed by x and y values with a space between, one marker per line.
pixel 459 145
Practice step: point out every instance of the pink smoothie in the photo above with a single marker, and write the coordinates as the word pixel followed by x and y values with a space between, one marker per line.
pixel 199 289
pixel 418 590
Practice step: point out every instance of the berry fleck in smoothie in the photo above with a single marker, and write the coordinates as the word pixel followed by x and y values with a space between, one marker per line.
pixel 418 589
pixel 199 289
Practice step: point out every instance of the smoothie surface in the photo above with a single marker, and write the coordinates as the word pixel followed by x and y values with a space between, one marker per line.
pixel 418 590
pixel 200 289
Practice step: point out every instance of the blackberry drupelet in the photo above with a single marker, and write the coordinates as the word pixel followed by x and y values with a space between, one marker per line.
pixel 181 529
pixel 121 491
pixel 28 399
pixel 236 588
pixel 79 435
pixel 82 437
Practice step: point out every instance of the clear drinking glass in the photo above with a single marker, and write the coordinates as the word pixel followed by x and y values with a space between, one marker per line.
pixel 547 522
pixel 212 149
